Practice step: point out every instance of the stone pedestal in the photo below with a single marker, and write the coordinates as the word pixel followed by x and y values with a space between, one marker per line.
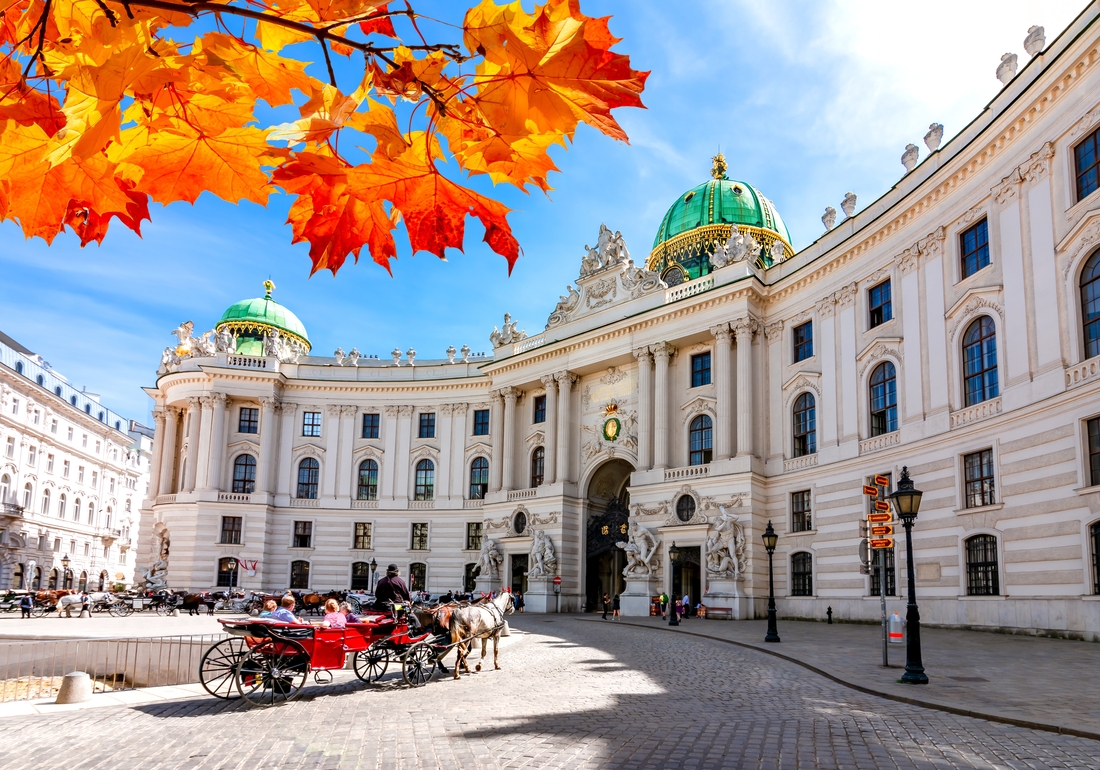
pixel 485 584
pixel 76 687
pixel 727 592
pixel 635 600
pixel 540 595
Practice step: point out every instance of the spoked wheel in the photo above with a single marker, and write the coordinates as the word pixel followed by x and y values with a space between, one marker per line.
pixel 370 664
pixel 40 610
pixel 120 609
pixel 165 608
pixel 217 666
pixel 354 606
pixel 418 667
pixel 272 673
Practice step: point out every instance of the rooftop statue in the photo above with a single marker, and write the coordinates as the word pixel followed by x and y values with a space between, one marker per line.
pixel 909 157
pixel 934 136
pixel 849 204
pixel 508 334
pixel 829 218
pixel 1035 40
pixel 1006 70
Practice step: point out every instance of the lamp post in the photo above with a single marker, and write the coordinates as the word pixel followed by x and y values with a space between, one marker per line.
pixel 673 557
pixel 65 562
pixel 770 539
pixel 373 568
pixel 907 502
pixel 231 568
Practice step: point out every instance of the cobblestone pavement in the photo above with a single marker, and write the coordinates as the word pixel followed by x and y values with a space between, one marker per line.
pixel 572 693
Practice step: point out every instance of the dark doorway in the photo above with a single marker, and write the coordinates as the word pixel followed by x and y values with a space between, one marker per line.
pixel 519 573
pixel 608 512
pixel 686 577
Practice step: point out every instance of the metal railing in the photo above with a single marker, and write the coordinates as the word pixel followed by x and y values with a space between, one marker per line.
pixel 34 669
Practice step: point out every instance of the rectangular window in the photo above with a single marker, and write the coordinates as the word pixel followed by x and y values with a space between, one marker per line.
pixel 978 472
pixel 540 409
pixel 361 539
pixel 70 434
pixel 878 301
pixel 95 478
pixel 417 575
pixel 80 474
pixel 974 246
pixel 303 534
pixel 32 455
pixel 57 546
pixel 370 424
pixel 111 489
pixel 880 556
pixel 700 370
pixel 481 422
pixel 97 447
pixel 802 574
pixel 37 416
pixel 427 425
pixel 87 549
pixel 84 441
pixel 231 530
pixel 49 465
pixel 249 421
pixel 1087 165
pixel 311 424
pixel 419 537
pixel 65 469
pixel 1094 451
pixel 15 406
pixel 803 336
pixel 53 426
pixel 982 574
pixel 473 536
pixel 801 518
pixel 10 450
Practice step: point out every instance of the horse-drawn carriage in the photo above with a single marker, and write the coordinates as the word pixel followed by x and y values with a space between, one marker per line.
pixel 268 662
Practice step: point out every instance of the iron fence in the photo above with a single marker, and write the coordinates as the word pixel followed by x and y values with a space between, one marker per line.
pixel 32 669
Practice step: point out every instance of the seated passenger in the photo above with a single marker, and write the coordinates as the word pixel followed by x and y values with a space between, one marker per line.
pixel 333 617
pixel 269 607
pixel 350 616
pixel 285 613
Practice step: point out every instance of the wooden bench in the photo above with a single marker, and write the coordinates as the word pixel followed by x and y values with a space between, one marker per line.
pixel 720 613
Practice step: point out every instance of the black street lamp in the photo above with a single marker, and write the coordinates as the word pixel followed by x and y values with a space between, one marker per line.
pixel 231 568
pixel 770 539
pixel 907 502
pixel 373 568
pixel 673 557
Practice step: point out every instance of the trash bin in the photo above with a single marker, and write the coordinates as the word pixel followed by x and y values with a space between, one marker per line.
pixel 895 629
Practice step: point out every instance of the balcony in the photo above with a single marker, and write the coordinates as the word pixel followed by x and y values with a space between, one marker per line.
pixel 421 505
pixel 234 497
pixel 689 289
pixel 473 503
pixel 879 442
pixel 304 502
pixel 690 472
pixel 247 362
pixel 798 463
pixel 364 503
pixel 165 499
pixel 977 412
pixel 108 535
pixel 522 494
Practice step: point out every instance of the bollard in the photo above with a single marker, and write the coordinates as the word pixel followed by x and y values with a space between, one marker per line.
pixel 829 612
pixel 76 687
pixel 175 613
pixel 507 630
pixel 84 613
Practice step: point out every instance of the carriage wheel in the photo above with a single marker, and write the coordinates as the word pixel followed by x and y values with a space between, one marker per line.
pixel 39 610
pixel 217 666
pixel 272 673
pixel 370 664
pixel 354 605
pixel 418 667
pixel 165 608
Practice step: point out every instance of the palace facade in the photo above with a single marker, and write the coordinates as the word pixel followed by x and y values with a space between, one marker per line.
pixel 951 327
pixel 73 474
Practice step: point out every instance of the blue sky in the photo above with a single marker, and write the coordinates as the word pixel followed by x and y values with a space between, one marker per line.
pixel 806 100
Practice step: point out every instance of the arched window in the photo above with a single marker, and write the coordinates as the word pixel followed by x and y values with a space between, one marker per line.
pixel 538 466
pixel 83 584
pixel 982 577
pixel 103 580
pixel 76 510
pixel 1090 305
pixel 37 584
pixel 91 512
pixel 18 367
pixel 299 574
pixel 884 399
pixel 360 576
pixel 45 501
pixel 127 506
pixel 802 574
pixel 418 572
pixel 1095 532
pixel 227 572
pixel 40 379
pixel 68 581
pixel 17 576
pixel 72 400
pixel 368 480
pixel 805 425
pixel 469 577
pixel 308 472
pixel 479 478
pixel 425 480
pixel 53 580
pixel 107 523
pixel 61 506
pixel 57 391
pixel 27 494
pixel 980 361
pixel 5 487
pixel 87 409
pixel 700 440
pixel 244 474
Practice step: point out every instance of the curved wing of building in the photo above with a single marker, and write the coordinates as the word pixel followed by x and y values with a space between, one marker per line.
pixel 692 397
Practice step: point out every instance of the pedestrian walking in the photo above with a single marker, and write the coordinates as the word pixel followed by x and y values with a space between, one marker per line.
pixel 615 608
pixel 26 604
pixel 687 605
pixel 606 605
pixel 678 608
pixel 519 602
pixel 664 605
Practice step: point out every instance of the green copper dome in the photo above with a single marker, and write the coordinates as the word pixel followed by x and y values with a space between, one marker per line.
pixel 703 217
pixel 251 319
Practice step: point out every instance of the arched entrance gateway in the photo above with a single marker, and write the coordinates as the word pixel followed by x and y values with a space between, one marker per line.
pixel 608 511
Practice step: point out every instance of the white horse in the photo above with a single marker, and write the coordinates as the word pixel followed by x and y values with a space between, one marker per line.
pixel 480 621
pixel 67 603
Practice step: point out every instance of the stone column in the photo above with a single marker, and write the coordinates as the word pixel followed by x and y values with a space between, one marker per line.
pixel 331 437
pixel 551 440
pixel 443 473
pixel 509 474
pixel 744 328
pixel 723 430
pixel 266 461
pixel 645 408
pixel 216 443
pixel 286 450
pixel 159 414
pixel 202 467
pixel 774 391
pixel 194 417
pixel 565 404
pixel 168 450
pixel 496 421
pixel 661 354
pixel 389 460
pixel 345 471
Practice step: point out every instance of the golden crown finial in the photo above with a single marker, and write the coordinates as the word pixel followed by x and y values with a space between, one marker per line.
pixel 269 286
pixel 718 167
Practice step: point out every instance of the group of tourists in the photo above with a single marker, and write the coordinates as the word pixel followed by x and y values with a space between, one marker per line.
pixel 682 607
pixel 613 605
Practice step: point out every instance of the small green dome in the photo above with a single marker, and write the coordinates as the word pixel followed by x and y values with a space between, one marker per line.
pixel 703 217
pixel 251 319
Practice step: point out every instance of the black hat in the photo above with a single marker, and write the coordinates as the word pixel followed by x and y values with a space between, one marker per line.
pixel 392 568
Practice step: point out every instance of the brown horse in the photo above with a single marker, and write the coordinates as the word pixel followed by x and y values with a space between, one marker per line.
pixel 480 621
